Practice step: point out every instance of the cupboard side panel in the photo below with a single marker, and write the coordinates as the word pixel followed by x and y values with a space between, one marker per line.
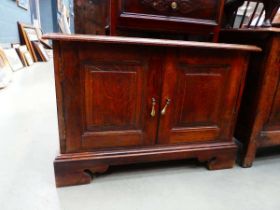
pixel 59 78
pixel 71 96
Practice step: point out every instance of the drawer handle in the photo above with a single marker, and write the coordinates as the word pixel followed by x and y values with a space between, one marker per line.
pixel 163 111
pixel 174 5
pixel 153 112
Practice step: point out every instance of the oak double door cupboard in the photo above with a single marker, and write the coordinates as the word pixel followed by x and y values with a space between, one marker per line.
pixel 130 100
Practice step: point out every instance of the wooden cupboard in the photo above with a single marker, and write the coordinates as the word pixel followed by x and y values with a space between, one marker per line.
pixel 127 100
pixel 258 122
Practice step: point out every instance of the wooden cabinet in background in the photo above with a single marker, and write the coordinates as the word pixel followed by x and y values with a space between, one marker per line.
pixel 177 16
pixel 91 16
pixel 258 123
pixel 127 100
pixel 145 17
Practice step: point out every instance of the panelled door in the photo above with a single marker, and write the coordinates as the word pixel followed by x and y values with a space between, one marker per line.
pixel 199 96
pixel 114 90
pixel 118 97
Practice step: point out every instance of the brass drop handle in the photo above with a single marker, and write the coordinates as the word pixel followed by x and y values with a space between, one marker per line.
pixel 163 111
pixel 153 112
pixel 174 5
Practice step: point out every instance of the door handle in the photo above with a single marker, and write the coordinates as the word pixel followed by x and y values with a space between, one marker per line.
pixel 163 111
pixel 153 112
pixel 174 5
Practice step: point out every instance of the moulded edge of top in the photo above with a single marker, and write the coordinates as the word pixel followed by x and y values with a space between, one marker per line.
pixel 148 41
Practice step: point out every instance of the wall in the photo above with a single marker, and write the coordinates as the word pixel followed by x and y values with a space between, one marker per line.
pixel 46 15
pixel 10 14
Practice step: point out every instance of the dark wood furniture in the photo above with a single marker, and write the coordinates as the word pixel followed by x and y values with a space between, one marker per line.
pixel 269 9
pixel 130 100
pixel 177 16
pixel 91 16
pixel 258 123
pixel 142 17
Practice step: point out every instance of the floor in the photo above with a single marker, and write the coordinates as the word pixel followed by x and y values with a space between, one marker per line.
pixel 29 143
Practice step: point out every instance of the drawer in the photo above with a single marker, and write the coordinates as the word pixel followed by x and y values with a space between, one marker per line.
pixel 175 16
pixel 198 9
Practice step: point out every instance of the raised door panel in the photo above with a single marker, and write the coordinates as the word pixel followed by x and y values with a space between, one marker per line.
pixel 113 97
pixel 110 91
pixel 113 93
pixel 203 90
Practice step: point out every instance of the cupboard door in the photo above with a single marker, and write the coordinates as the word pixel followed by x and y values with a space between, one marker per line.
pixel 199 96
pixel 111 93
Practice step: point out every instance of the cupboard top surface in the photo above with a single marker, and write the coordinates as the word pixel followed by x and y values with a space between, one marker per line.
pixel 252 30
pixel 149 42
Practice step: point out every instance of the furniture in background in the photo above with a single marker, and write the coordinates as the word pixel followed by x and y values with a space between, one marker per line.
pixel 91 17
pixel 175 16
pixel 265 9
pixel 130 100
pixel 258 124
pixel 149 17
pixel 276 19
